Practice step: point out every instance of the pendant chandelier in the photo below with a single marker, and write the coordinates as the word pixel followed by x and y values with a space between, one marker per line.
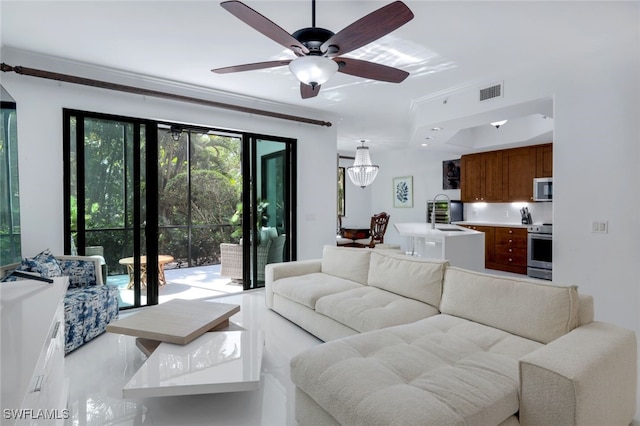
pixel 362 173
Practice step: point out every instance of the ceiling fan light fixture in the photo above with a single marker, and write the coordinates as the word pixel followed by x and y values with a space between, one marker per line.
pixel 363 172
pixel 313 70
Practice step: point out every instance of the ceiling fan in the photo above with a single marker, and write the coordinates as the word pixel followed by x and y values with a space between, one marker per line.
pixel 317 49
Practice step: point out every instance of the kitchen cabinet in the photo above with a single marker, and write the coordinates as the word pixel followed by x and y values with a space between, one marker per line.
pixel 505 248
pixel 489 242
pixel 510 250
pixel 504 175
pixel 481 177
pixel 518 171
pixel 544 160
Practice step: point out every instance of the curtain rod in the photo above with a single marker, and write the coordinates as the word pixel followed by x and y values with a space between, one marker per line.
pixel 155 93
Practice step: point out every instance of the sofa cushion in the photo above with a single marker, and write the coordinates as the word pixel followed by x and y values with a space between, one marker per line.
pixel 307 289
pixel 45 264
pixel 369 308
pixel 346 262
pixel 82 270
pixel 436 371
pixel 527 308
pixel 408 276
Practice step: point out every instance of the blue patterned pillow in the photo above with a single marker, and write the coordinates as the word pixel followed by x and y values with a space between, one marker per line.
pixel 45 264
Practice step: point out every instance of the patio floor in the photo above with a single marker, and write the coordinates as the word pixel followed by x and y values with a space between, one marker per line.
pixel 184 283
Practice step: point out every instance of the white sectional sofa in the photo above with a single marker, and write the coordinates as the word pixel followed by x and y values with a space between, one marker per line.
pixel 416 342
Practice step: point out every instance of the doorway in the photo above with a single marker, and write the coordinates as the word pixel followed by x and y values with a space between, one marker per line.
pixel 147 196
pixel 271 193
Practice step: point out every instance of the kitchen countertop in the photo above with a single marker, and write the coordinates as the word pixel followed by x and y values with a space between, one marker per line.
pixel 423 229
pixel 480 223
pixel 462 247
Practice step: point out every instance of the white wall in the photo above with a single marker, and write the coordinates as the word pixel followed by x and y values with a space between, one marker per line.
pixel 39 108
pixel 426 168
pixel 596 159
pixel 596 168
pixel 357 200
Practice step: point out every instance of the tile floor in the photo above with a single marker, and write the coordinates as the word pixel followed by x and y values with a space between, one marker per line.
pixel 185 283
pixel 98 370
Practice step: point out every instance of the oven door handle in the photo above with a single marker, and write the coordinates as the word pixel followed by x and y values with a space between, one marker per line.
pixel 534 235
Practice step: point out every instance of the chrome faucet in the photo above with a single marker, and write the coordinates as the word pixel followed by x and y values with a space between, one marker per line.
pixel 433 210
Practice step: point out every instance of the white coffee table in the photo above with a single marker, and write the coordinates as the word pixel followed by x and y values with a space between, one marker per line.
pixel 216 362
pixel 185 357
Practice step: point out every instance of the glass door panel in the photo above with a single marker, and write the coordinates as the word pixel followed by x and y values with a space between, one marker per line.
pixel 107 201
pixel 271 212
pixel 199 187
pixel 10 246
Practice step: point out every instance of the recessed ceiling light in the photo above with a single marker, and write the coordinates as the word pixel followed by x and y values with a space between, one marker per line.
pixel 436 129
pixel 424 144
pixel 430 137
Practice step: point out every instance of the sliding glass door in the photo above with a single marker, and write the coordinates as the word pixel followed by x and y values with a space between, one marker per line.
pixel 199 187
pixel 149 196
pixel 109 209
pixel 271 194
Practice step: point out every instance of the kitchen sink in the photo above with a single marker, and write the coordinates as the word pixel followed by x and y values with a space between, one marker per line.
pixel 451 229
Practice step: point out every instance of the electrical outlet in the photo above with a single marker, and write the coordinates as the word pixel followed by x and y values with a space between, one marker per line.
pixel 475 212
pixel 506 213
pixel 600 227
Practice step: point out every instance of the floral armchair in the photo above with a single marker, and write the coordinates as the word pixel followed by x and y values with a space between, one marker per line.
pixel 89 305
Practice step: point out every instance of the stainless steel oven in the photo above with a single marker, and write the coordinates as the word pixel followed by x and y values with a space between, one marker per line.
pixel 539 251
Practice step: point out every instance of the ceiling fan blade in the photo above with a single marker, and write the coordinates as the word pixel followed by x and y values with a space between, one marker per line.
pixel 251 67
pixel 366 69
pixel 369 28
pixel 263 25
pixel 306 91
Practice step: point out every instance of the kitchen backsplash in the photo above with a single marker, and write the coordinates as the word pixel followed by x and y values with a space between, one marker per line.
pixel 507 212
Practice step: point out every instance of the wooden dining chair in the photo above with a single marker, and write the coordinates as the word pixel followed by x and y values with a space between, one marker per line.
pixel 377 230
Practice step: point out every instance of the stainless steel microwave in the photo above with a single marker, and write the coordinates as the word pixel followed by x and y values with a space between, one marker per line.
pixel 543 189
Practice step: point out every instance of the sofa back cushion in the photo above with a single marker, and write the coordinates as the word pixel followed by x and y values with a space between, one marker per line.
pixel 408 276
pixel 346 262
pixel 536 311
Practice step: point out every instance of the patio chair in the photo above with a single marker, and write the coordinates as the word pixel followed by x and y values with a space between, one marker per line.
pixel 270 250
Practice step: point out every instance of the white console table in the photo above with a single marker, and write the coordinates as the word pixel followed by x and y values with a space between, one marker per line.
pixel 34 388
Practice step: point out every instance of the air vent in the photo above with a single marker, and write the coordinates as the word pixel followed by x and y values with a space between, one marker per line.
pixel 491 92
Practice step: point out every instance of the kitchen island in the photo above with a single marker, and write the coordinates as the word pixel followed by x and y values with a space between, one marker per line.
pixel 461 246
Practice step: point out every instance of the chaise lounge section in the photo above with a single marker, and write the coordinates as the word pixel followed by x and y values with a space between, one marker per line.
pixel 496 351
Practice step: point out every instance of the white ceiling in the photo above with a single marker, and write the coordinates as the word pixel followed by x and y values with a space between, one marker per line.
pixel 448 46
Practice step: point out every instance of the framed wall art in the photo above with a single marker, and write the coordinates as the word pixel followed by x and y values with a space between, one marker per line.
pixel 403 191
pixel 451 174
pixel 341 195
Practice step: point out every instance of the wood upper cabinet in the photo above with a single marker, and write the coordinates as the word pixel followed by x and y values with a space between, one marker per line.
pixel 544 160
pixel 470 174
pixel 504 175
pixel 481 177
pixel 518 171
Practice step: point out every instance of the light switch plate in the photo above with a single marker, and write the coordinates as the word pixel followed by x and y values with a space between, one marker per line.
pixel 599 227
